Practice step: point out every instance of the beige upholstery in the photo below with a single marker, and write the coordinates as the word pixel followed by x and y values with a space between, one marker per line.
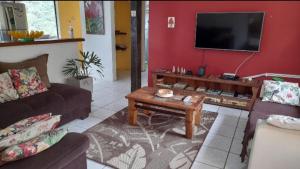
pixel 274 148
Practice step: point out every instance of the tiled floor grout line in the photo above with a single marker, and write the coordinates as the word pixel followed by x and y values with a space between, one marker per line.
pixel 232 139
pixel 210 165
pixel 214 148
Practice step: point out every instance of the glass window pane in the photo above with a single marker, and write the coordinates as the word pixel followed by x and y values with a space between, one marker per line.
pixel 41 17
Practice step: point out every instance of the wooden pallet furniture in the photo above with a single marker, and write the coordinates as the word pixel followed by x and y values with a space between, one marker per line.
pixel 244 87
pixel 145 99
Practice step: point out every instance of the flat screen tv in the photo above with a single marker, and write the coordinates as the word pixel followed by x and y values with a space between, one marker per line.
pixel 240 31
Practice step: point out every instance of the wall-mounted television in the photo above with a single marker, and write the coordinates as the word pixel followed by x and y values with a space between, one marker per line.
pixel 238 31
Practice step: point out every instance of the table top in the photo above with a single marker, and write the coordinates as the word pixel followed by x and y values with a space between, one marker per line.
pixel 147 95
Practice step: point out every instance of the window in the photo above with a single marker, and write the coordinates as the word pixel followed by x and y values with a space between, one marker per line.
pixel 41 16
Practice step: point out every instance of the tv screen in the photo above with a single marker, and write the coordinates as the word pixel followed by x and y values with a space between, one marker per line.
pixel 229 31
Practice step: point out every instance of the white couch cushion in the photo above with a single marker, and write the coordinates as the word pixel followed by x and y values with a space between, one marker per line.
pixel 286 122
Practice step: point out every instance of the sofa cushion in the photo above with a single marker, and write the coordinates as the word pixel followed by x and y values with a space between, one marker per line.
pixel 75 98
pixel 33 146
pixel 57 157
pixel 39 62
pixel 7 90
pixel 30 132
pixel 281 92
pixel 285 122
pixel 27 81
pixel 22 124
pixel 45 102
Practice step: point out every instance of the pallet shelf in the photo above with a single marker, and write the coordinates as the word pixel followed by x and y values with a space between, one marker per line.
pixel 212 82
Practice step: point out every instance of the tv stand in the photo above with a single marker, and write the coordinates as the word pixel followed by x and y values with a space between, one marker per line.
pixel 218 91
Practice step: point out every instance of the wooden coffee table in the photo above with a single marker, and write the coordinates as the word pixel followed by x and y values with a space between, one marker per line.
pixel 145 98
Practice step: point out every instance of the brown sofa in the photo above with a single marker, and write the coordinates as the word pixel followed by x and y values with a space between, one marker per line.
pixel 262 110
pixel 72 103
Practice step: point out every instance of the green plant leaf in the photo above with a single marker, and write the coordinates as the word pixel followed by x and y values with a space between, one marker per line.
pixel 82 67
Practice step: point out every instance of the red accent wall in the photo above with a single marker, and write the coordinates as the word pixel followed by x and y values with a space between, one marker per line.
pixel 280 45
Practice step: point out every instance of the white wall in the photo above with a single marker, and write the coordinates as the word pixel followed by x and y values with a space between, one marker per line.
pixel 58 54
pixel 102 45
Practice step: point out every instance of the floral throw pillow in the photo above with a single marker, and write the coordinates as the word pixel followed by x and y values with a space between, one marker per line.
pixel 22 125
pixel 281 92
pixel 27 81
pixel 33 146
pixel 30 132
pixel 7 90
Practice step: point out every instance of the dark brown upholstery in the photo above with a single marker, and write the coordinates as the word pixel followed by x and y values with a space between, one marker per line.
pixel 69 153
pixel 70 102
pixel 262 110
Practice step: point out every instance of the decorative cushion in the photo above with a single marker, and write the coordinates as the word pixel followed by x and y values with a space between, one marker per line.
pixel 21 125
pixel 33 146
pixel 281 92
pixel 32 131
pixel 7 90
pixel 266 82
pixel 27 81
pixel 39 62
pixel 285 122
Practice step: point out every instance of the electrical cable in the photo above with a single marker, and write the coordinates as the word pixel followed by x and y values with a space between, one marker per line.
pixel 241 64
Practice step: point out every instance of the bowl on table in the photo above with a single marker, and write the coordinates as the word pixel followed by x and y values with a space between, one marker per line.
pixel 165 93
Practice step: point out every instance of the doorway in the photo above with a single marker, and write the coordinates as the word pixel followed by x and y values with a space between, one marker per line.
pixel 123 40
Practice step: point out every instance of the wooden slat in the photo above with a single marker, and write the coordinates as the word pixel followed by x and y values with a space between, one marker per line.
pixel 165 111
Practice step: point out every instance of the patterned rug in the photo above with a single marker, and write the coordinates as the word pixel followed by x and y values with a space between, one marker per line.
pixel 158 142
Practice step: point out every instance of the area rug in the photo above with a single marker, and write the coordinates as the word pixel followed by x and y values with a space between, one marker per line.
pixel 157 142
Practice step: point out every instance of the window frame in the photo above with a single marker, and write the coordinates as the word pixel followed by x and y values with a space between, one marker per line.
pixel 55 15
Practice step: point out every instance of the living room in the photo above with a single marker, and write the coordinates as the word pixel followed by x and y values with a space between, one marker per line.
pixel 216 86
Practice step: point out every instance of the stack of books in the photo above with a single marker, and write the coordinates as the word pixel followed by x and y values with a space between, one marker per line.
pixel 201 89
pixel 229 94
pixel 190 88
pixel 214 92
pixel 180 85
pixel 163 85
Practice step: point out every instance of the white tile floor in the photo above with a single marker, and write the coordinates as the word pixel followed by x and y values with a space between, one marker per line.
pixel 221 147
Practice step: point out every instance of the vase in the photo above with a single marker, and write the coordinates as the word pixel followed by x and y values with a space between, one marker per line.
pixel 86 83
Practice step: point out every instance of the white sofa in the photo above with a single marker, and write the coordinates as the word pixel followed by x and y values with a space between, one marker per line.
pixel 274 148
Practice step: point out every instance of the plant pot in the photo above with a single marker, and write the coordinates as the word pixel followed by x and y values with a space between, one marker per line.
pixel 86 83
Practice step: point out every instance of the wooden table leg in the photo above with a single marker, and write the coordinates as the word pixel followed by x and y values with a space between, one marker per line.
pixel 198 116
pixel 132 112
pixel 189 120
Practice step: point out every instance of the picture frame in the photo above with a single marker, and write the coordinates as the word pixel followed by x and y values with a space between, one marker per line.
pixel 94 17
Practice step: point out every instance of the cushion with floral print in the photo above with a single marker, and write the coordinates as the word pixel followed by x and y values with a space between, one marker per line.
pixel 22 124
pixel 27 81
pixel 33 146
pixel 30 132
pixel 281 92
pixel 7 90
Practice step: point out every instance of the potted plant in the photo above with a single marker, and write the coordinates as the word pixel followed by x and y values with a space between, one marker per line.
pixel 79 70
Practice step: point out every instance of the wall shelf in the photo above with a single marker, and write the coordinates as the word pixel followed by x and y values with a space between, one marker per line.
pixel 117 32
pixel 121 47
